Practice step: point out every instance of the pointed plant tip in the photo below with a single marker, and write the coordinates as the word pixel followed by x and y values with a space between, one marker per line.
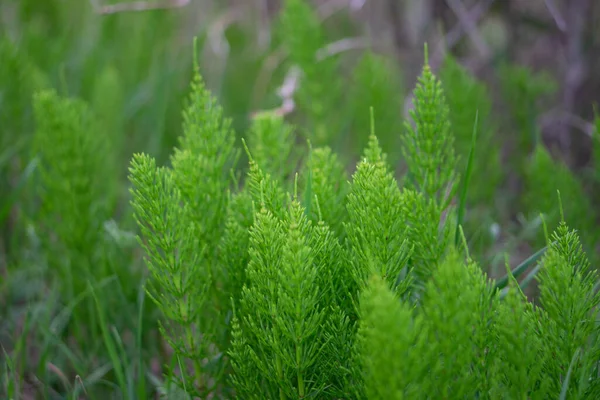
pixel 372 119
pixel 247 150
pixel 310 147
pixel 560 207
pixel 426 52
pixel 195 52
pixel 296 186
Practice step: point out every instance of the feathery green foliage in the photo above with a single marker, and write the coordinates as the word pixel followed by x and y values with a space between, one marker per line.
pixel 570 301
pixel 428 145
pixel 191 203
pixel 314 312
pixel 517 359
pixel 76 190
pixel 271 142
pixel 281 310
pixel 376 228
pixel 295 275
pixel 174 255
pixel 325 185
pixel 206 154
pixel 390 343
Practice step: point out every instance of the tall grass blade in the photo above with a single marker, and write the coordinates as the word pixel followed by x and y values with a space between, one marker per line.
pixel 521 268
pixel 463 194
pixel 110 345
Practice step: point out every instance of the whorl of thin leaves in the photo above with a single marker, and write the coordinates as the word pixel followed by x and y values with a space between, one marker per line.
pixel 204 158
pixel 256 318
pixel 376 227
pixel 456 305
pixel 384 308
pixel 281 304
pixel 333 260
pixel 428 143
pixel 247 380
pixel 179 280
pixel 326 185
pixel 76 192
pixel 73 156
pixel 271 141
pixel 428 234
pixel 301 316
pixel 517 360
pixel 233 248
pixel 568 296
pixel 265 191
pixel 389 344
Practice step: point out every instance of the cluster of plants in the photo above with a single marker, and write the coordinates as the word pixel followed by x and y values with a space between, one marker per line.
pixel 314 284
pixel 343 251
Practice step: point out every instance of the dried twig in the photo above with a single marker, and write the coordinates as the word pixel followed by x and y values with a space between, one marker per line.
pixel 556 15
pixel 458 31
pixel 554 116
pixel 216 47
pixel 286 92
pixel 330 7
pixel 292 80
pixel 470 26
pixel 341 46
pixel 216 33
pixel 137 6
pixel 475 14
pixel 264 27
pixel 575 62
pixel 271 63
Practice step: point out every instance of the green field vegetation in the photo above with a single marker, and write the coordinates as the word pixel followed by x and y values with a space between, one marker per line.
pixel 167 234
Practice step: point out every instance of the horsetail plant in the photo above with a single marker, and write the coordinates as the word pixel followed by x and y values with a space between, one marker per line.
pixel 308 284
pixel 75 197
pixel 175 257
pixel 181 212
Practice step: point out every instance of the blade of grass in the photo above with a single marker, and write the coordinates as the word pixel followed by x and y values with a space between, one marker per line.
pixel 308 190
pixel 565 386
pixel 141 383
pixel 11 151
pixel 525 282
pixel 21 346
pixel 91 380
pixel 521 268
pixel 10 386
pixel 463 193
pixel 59 322
pixel 530 276
pixel 11 198
pixel 110 345
pixel 123 356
